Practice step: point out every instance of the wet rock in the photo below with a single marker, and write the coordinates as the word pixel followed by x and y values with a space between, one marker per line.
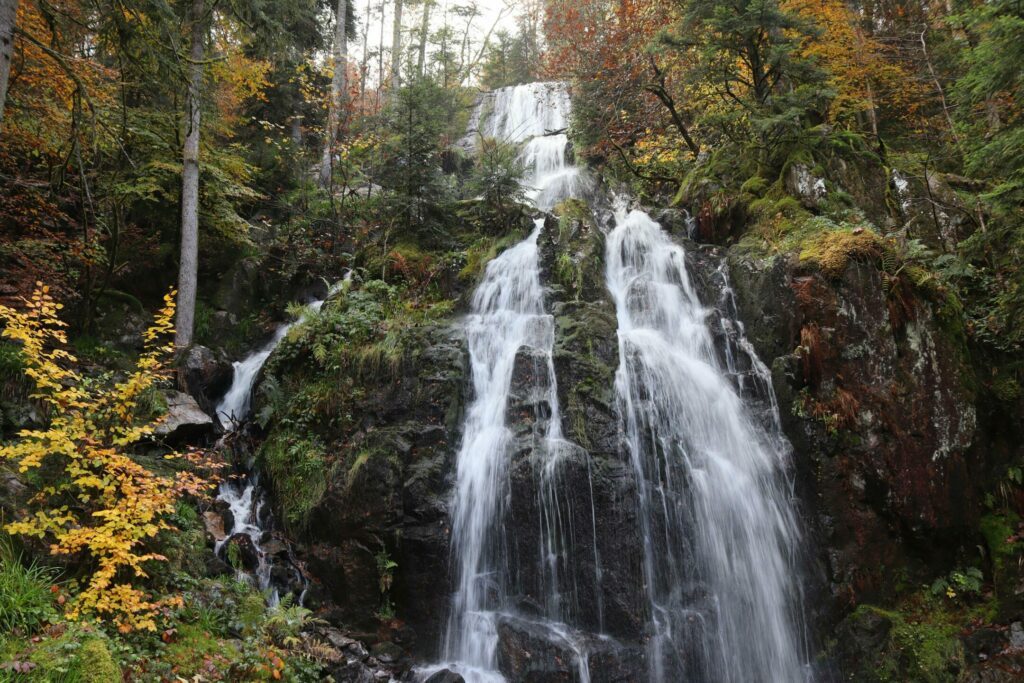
pixel 242 553
pixel 445 676
pixel 185 421
pixel 353 672
pixel 214 524
pixel 593 483
pixel 540 653
pixel 875 394
pixel 387 652
pixel 205 375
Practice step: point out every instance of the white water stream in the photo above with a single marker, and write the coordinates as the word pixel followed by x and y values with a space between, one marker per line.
pixel 244 495
pixel 720 533
pixel 507 319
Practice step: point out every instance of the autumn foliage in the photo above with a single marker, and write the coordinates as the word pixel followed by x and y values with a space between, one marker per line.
pixel 97 502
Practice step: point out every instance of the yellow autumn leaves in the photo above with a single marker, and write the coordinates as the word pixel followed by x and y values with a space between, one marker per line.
pixel 101 503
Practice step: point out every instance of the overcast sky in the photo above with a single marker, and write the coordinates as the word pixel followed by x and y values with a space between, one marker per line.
pixel 491 11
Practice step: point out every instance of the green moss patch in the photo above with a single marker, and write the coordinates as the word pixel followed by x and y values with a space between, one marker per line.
pixel 298 469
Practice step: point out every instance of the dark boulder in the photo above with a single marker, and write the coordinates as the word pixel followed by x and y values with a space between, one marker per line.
pixel 205 375
pixel 544 653
pixel 445 676
pixel 242 553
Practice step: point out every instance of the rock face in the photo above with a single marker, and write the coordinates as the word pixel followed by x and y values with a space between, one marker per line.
pixel 876 394
pixel 586 355
pixel 376 543
pixel 874 391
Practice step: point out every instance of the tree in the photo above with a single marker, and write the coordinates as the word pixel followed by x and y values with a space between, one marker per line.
pixel 95 499
pixel 188 273
pixel 339 88
pixel 421 59
pixel 8 20
pixel 396 50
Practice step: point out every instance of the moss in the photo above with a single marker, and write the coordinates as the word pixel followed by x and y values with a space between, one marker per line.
pixel 569 274
pixel 196 652
pixel 357 464
pixel 997 529
pixel 298 469
pixel 755 185
pixel 483 251
pixel 922 645
pixel 832 251
pixel 96 663
pixel 1006 388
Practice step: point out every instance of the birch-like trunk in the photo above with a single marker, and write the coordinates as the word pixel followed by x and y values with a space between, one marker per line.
pixel 188 268
pixel 339 91
pixel 424 33
pixel 396 50
pixel 8 20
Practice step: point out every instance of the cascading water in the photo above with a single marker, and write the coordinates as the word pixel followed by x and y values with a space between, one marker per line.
pixel 508 320
pixel 537 114
pixel 507 315
pixel 243 495
pixel 720 533
pixel 720 536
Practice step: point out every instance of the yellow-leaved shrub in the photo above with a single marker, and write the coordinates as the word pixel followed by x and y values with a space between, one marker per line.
pixel 98 503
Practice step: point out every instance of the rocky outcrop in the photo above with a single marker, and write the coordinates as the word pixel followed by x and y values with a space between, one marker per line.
pixel 597 473
pixel 876 394
pixel 205 375
pixel 375 545
pixel 184 421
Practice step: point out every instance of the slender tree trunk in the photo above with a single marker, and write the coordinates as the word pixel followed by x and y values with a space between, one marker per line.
pixel 364 67
pixel 8 20
pixel 424 33
pixel 339 90
pixel 938 87
pixel 396 50
pixel 188 268
pixel 380 57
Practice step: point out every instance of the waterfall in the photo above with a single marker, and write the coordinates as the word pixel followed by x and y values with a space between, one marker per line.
pixel 720 533
pixel 536 115
pixel 244 496
pixel 507 324
pixel 507 316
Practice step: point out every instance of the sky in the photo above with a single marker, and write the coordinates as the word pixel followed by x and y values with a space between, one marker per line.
pixel 501 11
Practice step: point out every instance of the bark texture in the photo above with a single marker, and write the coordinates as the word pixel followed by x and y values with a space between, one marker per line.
pixel 188 268
pixel 8 21
pixel 339 90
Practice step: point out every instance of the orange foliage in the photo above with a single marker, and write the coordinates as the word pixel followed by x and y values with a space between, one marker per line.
pixel 863 72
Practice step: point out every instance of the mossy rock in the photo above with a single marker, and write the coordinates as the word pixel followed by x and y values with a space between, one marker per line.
pixel 885 645
pixel 299 470
pixel 96 663
pixel 832 251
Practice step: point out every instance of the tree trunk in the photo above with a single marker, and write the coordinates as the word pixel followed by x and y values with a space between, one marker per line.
pixel 8 20
pixel 424 33
pixel 188 268
pixel 396 50
pixel 339 91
